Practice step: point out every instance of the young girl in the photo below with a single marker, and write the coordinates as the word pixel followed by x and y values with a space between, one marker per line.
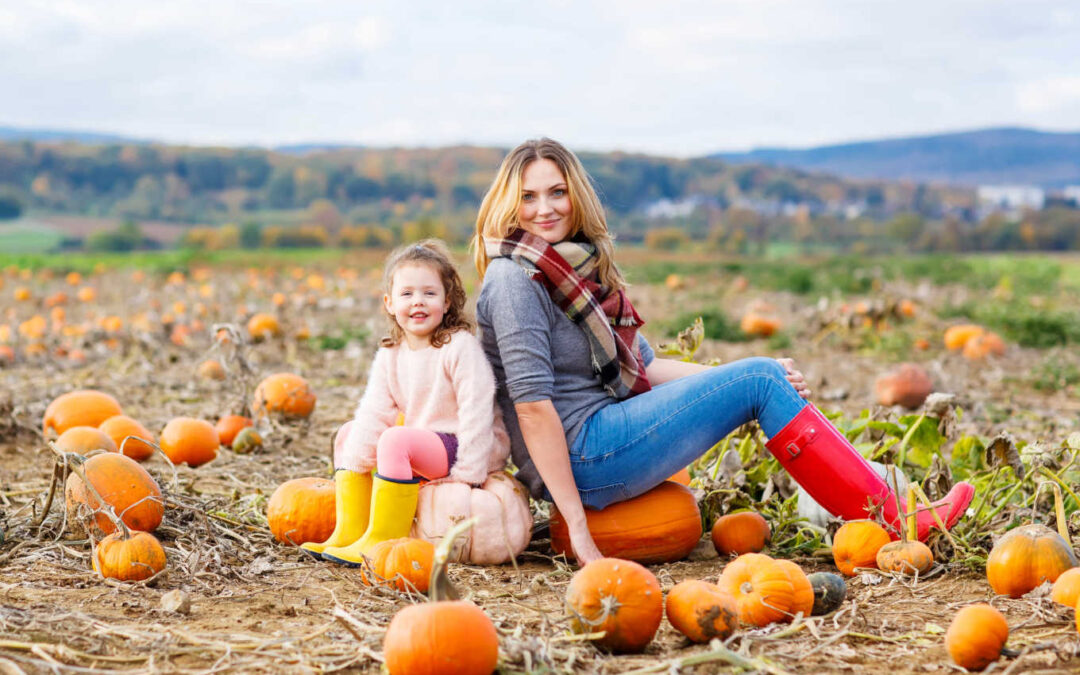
pixel 432 370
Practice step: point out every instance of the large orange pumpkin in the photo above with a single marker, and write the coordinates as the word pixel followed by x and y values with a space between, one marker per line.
pixel 662 525
pixel 123 484
pixel 404 563
pixel 976 636
pixel 132 559
pixel 856 544
pixel 802 592
pixel 620 598
pixel 284 394
pixel 1067 588
pixel 701 611
pixel 83 408
pixel 501 506
pixel 119 427
pixel 438 638
pixel 188 440
pixel 738 533
pixel 302 510
pixel 84 440
pixel 762 589
pixel 1025 558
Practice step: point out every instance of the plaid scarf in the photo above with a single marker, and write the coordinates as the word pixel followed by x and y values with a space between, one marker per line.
pixel 568 271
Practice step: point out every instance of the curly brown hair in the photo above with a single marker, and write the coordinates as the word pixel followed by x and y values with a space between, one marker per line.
pixel 434 253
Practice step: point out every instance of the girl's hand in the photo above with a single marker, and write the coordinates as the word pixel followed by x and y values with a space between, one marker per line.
pixel 584 547
pixel 795 377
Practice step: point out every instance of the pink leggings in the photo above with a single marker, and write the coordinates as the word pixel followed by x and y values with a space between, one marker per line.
pixel 403 452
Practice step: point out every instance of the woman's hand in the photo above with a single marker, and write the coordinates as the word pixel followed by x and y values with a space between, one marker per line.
pixel 585 550
pixel 795 377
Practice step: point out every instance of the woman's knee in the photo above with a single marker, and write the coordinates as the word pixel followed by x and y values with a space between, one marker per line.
pixel 765 367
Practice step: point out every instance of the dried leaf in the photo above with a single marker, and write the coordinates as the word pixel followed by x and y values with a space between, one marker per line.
pixel 938 479
pixel 731 468
pixel 1002 452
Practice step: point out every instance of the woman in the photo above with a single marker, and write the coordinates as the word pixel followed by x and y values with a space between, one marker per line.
pixel 594 416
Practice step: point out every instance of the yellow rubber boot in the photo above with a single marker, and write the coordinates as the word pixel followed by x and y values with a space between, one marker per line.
pixel 352 503
pixel 393 506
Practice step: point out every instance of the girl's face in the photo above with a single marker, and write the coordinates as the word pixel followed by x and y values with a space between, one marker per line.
pixel 545 202
pixel 417 301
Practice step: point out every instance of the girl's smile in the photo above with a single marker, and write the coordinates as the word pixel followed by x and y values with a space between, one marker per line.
pixel 417 301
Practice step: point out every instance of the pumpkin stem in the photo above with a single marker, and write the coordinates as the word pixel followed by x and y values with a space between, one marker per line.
pixel 912 533
pixel 439 586
pixel 1059 513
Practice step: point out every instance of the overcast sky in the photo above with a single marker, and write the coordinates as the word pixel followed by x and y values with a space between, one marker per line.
pixel 665 77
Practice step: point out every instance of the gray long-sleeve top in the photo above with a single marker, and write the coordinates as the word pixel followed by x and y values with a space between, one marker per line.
pixel 537 354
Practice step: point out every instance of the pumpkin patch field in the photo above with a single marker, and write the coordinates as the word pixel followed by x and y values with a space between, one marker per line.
pixel 166 430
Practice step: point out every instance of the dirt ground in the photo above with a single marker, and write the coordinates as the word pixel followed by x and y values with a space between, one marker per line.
pixel 258 606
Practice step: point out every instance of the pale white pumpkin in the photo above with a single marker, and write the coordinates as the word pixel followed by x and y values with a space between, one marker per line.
pixel 817 515
pixel 500 505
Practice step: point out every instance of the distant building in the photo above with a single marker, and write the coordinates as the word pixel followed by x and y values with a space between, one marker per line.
pixel 1072 194
pixel 1010 197
pixel 666 208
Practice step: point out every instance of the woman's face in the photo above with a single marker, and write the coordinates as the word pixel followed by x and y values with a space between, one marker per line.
pixel 545 202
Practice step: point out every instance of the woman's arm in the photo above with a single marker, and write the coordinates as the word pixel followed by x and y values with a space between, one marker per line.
pixel 545 439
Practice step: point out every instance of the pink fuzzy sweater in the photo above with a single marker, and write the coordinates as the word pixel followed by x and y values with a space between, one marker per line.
pixel 449 389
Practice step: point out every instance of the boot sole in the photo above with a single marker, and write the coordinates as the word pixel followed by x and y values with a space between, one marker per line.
pixel 340 561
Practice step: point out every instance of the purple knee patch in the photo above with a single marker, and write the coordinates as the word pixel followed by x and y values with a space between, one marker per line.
pixel 449 442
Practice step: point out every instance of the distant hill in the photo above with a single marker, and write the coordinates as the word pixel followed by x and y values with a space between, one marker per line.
pixel 1003 155
pixel 62 135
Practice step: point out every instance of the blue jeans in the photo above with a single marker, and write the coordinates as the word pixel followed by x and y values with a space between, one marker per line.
pixel 627 448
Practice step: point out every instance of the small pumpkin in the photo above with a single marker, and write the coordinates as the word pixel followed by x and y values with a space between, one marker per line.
pixel 302 510
pixel 957 336
pixel 662 525
pixel 701 611
pixel 738 533
pixel 976 636
pixel 856 544
pixel 907 386
pixel 762 590
pixel 229 425
pixel 119 427
pixel 84 440
pixel 802 596
pixel 133 558
pixel 211 370
pixel 247 441
pixel 1026 557
pixel 620 598
pixel 82 408
pixel 404 563
pixel 1066 589
pixel 123 484
pixel 263 326
pixel 284 394
pixel 758 325
pixel 829 592
pixel 436 638
pixel 981 346
pixel 186 440
pixel 501 506
pixel 909 556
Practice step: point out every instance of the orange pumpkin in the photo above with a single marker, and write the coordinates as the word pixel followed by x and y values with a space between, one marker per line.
pixel 211 370
pixel 856 544
pixel 229 425
pixel 662 525
pixel 701 611
pixel 762 590
pixel 119 427
pixel 83 408
pixel 905 557
pixel 263 326
pixel 1025 558
pixel 908 386
pixel 84 440
pixel 188 440
pixel 802 598
pixel 436 638
pixel 758 325
pixel 682 477
pixel 957 336
pixel 1067 588
pixel 284 394
pixel 404 563
pixel 738 533
pixel 620 598
pixel 983 345
pixel 302 510
pixel 976 636
pixel 133 559
pixel 123 484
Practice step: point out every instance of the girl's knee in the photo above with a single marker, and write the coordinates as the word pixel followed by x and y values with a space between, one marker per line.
pixel 392 441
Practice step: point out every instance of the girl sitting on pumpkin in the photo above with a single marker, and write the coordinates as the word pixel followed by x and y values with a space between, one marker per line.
pixel 432 370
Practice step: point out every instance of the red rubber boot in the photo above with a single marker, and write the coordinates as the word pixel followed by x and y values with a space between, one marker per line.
pixel 832 471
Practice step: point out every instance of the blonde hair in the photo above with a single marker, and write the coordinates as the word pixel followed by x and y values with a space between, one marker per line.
pixel 435 254
pixel 498 215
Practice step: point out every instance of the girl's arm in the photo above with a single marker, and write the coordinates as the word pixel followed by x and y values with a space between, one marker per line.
pixel 474 389
pixel 545 439
pixel 376 412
